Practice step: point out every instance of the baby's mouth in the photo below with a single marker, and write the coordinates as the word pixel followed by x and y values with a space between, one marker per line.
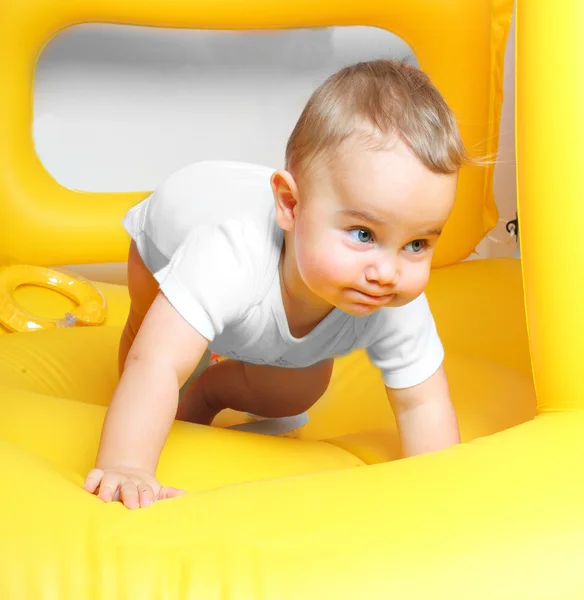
pixel 375 298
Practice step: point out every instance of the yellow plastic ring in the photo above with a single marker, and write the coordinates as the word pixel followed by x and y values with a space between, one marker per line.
pixel 91 303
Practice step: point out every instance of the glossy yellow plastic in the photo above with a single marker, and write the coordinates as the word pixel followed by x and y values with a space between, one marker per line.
pixel 90 303
pixel 332 514
pixel 460 44
pixel 550 130
pixel 421 513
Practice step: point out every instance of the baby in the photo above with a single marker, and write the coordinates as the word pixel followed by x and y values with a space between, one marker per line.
pixel 283 270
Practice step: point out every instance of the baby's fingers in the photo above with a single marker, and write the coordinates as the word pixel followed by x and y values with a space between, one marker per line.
pixel 129 493
pixel 146 494
pixel 108 488
pixel 170 492
pixel 92 480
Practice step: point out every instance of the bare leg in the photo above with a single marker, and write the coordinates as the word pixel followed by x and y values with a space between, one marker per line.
pixel 257 389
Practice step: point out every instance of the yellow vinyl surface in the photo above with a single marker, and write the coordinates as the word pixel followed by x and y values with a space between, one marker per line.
pixel 331 513
pixel 459 44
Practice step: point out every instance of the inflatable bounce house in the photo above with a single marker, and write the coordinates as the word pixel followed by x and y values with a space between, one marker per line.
pixel 331 513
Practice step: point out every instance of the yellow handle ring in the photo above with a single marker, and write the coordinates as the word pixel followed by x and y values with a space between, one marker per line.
pixel 91 303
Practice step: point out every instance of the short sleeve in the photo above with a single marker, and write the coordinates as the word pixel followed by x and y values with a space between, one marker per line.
pixel 405 344
pixel 211 277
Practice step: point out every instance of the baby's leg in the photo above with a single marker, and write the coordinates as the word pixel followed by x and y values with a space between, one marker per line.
pixel 257 389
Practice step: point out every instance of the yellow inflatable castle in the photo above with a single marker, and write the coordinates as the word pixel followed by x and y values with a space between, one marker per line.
pixel 332 513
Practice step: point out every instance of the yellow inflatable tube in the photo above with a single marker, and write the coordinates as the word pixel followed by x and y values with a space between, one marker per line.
pixel 90 305
pixel 550 131
pixel 41 213
pixel 326 515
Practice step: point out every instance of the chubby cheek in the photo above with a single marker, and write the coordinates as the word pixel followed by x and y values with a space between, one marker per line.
pixel 321 261
pixel 414 280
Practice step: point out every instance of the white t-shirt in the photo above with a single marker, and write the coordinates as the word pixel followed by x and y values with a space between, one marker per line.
pixel 209 235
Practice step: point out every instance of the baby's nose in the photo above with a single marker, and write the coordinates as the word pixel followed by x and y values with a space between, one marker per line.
pixel 383 272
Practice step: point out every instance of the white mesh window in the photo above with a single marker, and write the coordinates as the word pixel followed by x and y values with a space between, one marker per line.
pixel 118 108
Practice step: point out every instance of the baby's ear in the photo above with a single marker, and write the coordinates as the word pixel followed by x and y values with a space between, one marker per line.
pixel 286 198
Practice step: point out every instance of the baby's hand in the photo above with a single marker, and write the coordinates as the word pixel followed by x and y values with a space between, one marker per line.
pixel 134 488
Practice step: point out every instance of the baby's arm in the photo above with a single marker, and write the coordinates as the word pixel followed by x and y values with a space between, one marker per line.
pixel 425 416
pixel 165 352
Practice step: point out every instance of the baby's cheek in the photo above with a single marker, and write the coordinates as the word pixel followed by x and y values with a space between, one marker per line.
pixel 320 266
pixel 323 264
pixel 416 280
pixel 334 265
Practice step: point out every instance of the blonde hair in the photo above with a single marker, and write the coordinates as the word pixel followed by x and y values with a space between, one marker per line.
pixel 375 102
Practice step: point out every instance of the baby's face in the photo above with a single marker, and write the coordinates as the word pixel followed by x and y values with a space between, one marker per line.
pixel 365 236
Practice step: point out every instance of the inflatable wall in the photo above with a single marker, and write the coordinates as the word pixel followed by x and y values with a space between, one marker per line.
pixel 331 513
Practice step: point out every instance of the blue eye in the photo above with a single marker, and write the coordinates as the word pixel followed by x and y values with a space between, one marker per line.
pixel 363 235
pixel 416 246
